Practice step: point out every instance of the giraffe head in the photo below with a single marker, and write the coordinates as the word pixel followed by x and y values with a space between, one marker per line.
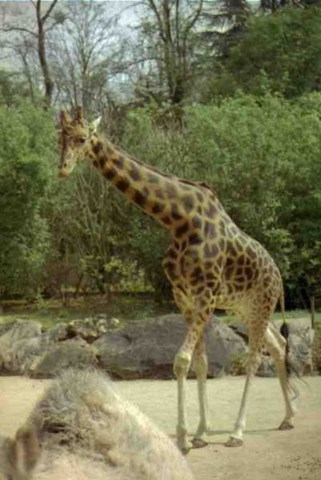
pixel 75 140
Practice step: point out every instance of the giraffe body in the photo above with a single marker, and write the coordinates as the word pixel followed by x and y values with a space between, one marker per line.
pixel 210 264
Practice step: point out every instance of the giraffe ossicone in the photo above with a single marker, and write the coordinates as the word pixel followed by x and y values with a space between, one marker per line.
pixel 210 264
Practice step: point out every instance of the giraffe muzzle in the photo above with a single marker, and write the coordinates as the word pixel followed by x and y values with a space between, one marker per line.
pixel 63 173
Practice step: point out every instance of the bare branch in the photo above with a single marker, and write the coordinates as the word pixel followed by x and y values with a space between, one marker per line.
pixel 177 24
pixel 38 10
pixel 52 26
pixel 167 21
pixel 19 29
pixel 193 18
pixel 50 9
pixel 153 7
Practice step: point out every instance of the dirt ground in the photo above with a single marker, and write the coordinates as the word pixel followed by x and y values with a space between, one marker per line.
pixel 267 453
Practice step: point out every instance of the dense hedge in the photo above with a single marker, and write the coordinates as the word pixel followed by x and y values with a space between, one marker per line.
pixel 260 154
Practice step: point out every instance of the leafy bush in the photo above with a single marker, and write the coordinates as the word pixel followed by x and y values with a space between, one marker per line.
pixel 26 138
pixel 275 53
pixel 261 155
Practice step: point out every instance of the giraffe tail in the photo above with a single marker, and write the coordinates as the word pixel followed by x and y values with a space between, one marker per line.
pixel 282 305
pixel 290 367
pixel 284 330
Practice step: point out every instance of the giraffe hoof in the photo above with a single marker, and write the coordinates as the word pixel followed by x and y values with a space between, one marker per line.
pixel 185 450
pixel 199 443
pixel 234 442
pixel 286 425
pixel 186 447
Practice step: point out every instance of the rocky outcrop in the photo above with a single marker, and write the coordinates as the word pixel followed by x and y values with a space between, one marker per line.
pixel 144 349
pixel 89 329
pixel 147 349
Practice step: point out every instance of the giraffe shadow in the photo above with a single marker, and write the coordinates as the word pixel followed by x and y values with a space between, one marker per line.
pixel 258 430
pixel 228 432
pixel 224 432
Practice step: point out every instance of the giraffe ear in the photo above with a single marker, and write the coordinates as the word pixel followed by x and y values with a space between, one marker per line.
pixel 64 118
pixel 79 118
pixel 93 126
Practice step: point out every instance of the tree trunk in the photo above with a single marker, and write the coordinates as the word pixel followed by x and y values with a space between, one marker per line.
pixel 48 83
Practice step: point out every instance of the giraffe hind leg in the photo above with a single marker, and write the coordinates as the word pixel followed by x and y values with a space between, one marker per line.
pixel 275 344
pixel 236 438
pixel 256 341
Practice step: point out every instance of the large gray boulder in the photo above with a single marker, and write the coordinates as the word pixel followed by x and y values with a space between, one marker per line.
pixel 19 345
pixel 224 347
pixel 5 326
pixel 301 348
pixel 147 349
pixel 301 338
pixel 74 353
pixel 20 329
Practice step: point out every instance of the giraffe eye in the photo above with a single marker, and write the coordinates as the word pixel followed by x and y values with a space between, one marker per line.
pixel 82 139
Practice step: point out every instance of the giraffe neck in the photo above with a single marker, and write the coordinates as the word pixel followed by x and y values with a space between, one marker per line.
pixel 167 199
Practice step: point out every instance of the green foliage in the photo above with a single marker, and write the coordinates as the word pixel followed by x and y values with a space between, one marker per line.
pixel 26 137
pixel 276 53
pixel 11 88
pixel 85 218
pixel 260 154
pixel 262 158
pixel 166 150
pixel 260 150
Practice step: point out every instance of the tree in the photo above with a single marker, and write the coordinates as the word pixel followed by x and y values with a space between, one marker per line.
pixel 12 87
pixel 225 22
pixel 26 137
pixel 84 54
pixel 88 225
pixel 27 39
pixel 261 156
pixel 280 52
pixel 169 27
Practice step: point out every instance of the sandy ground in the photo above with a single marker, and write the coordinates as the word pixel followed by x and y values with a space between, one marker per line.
pixel 267 453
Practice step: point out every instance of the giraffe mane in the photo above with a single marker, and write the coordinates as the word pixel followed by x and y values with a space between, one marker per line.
pixel 165 175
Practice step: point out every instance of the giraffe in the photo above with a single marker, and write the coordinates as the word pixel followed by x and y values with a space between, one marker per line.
pixel 210 264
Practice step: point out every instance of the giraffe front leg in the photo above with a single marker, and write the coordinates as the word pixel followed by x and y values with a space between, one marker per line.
pixel 182 364
pixel 196 319
pixel 200 367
